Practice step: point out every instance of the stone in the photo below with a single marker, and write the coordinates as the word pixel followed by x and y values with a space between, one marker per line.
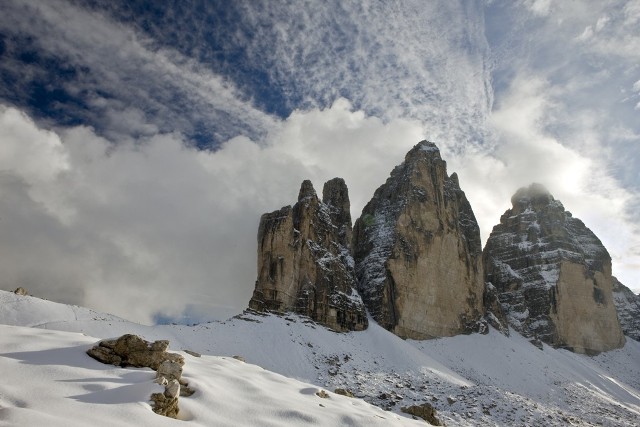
pixel 425 411
pixel 172 389
pixel 553 275
pixel 21 291
pixel 628 309
pixel 418 252
pixel 305 263
pixel 343 392
pixel 165 406
pixel 322 394
pixel 169 369
pixel 132 350
pixel 240 358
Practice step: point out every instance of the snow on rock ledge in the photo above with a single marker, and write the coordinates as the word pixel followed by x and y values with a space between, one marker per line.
pixel 553 275
pixel 418 253
pixel 304 260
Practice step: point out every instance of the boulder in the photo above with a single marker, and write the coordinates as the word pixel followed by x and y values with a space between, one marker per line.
pixel 553 275
pixel 131 350
pixel 418 252
pixel 304 260
pixel 169 369
pixel 166 404
pixel 425 411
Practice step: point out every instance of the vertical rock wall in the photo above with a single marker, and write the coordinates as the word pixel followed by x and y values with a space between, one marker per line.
pixel 628 308
pixel 304 260
pixel 553 275
pixel 418 252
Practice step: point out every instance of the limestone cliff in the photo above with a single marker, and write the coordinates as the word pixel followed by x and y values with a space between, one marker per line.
pixel 628 308
pixel 304 260
pixel 418 253
pixel 553 275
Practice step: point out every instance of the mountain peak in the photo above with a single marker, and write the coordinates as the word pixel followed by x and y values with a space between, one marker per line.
pixel 417 251
pixel 306 190
pixel 535 196
pixel 553 275
pixel 422 149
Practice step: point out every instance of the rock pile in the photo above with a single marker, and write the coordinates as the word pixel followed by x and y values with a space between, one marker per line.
pixel 132 350
pixel 553 275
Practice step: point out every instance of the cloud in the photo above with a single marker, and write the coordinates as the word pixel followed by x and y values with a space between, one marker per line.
pixel 154 226
pixel 527 152
pixel 155 229
pixel 132 85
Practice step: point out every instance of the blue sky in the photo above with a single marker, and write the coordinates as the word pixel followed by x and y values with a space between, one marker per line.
pixel 142 140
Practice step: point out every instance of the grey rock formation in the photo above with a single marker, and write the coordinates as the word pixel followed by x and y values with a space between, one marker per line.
pixel 628 308
pixel 553 275
pixel 418 252
pixel 305 263
pixel 426 411
pixel 169 369
pixel 494 315
pixel 166 403
pixel 131 350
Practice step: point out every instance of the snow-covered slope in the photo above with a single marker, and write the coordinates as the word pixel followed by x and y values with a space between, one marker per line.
pixel 48 380
pixel 471 380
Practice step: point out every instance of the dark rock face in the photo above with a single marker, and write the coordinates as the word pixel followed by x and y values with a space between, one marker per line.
pixel 628 308
pixel 305 263
pixel 418 252
pixel 553 275
pixel 494 315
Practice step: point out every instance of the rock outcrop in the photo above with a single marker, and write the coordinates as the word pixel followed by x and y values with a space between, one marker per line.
pixel 494 314
pixel 553 275
pixel 628 308
pixel 132 350
pixel 426 411
pixel 418 252
pixel 305 263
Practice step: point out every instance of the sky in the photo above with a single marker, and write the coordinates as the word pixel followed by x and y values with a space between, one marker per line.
pixel 141 141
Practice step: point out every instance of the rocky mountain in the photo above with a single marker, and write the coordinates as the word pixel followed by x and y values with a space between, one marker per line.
pixel 553 275
pixel 418 252
pixel 304 260
pixel 628 308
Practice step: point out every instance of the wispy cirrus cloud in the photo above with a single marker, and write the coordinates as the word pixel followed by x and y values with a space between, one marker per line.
pixel 127 84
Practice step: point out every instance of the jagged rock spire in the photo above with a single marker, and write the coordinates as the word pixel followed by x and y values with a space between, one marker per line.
pixel 304 260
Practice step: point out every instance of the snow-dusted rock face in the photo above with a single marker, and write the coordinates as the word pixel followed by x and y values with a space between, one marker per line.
pixel 304 260
pixel 553 275
pixel 628 308
pixel 418 252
